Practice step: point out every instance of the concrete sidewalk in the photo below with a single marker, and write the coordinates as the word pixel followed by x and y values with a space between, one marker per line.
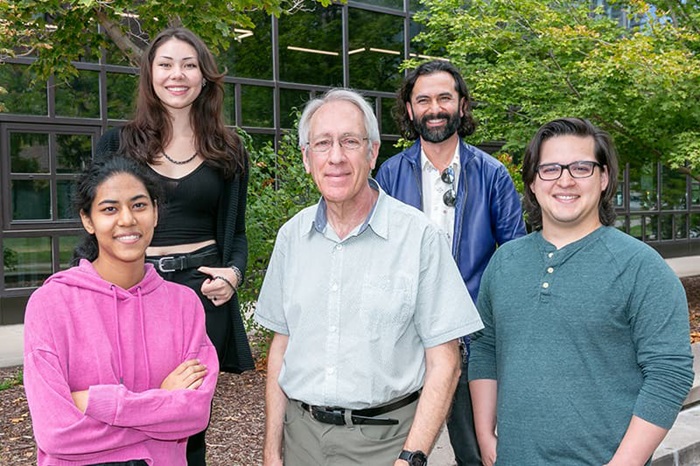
pixel 681 447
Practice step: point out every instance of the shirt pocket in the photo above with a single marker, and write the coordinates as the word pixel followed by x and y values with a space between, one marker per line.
pixel 386 304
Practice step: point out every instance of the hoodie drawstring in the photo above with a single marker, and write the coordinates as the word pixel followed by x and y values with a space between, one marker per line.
pixel 119 343
pixel 143 336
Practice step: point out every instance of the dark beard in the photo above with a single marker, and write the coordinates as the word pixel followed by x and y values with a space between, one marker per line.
pixel 437 135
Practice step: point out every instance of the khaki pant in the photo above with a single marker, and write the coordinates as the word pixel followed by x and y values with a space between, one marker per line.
pixel 308 442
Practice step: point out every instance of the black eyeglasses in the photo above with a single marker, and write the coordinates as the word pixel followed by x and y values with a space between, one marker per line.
pixel 580 169
pixel 448 176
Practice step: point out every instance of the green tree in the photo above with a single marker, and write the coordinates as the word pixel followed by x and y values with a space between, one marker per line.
pixel 59 32
pixel 530 61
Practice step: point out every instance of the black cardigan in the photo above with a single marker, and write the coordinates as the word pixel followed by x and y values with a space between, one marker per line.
pixel 232 242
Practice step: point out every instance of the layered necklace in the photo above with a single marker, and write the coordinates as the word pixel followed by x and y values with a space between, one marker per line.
pixel 180 162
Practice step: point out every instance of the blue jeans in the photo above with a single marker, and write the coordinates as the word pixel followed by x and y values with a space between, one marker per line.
pixel 460 423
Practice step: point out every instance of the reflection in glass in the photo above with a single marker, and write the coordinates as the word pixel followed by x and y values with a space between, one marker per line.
pixel 65 190
pixel 643 195
pixel 395 4
pixel 257 106
pixel 386 150
pixel 121 95
pixel 681 228
pixel 635 225
pixel 311 46
pixel 31 200
pixel 651 228
pixel 673 189
pixel 66 246
pixel 376 50
pixel 26 261
pixel 80 97
pixel 251 55
pixel 291 99
pixel 694 226
pixel 230 104
pixel 74 152
pixel 260 140
pixel 29 152
pixel 695 193
pixel 388 122
pixel 667 226
pixel 22 97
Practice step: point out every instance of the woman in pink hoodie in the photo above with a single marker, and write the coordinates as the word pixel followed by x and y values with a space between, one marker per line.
pixel 117 365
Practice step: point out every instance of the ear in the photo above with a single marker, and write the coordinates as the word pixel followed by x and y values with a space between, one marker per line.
pixel 373 154
pixel 87 223
pixel 305 158
pixel 604 178
pixel 155 208
pixel 409 109
pixel 462 106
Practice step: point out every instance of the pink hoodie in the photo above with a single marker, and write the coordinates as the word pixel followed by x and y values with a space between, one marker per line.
pixel 81 333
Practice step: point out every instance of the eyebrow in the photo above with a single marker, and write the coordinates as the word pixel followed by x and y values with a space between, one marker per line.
pixel 112 201
pixel 166 57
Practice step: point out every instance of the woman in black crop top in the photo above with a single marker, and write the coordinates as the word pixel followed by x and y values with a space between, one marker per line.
pixel 178 131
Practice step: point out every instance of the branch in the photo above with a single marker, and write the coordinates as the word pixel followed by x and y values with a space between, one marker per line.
pixel 130 49
pixel 687 171
pixel 569 84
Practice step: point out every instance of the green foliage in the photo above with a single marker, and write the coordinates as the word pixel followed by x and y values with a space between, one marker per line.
pixel 59 32
pixel 10 259
pixel 16 380
pixel 528 62
pixel 278 188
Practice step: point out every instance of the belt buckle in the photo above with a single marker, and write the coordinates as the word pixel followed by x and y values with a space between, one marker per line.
pixel 162 267
pixel 328 416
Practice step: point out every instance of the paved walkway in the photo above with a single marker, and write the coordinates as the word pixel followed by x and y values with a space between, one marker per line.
pixel 680 448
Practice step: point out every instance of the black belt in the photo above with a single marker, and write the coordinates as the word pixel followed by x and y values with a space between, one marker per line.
pixel 336 416
pixel 182 261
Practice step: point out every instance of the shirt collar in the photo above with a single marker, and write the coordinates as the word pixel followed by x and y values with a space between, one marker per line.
pixel 374 219
pixel 427 165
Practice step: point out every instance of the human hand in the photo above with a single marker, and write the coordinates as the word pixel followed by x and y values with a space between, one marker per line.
pixel 188 375
pixel 272 461
pixel 80 398
pixel 220 288
pixel 487 447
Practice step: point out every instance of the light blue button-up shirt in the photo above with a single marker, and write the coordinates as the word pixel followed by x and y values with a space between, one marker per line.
pixel 359 312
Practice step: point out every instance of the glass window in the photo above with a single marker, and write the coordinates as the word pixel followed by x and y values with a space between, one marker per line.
pixel 257 106
pixel 695 193
pixel 230 104
pixel 643 195
pixel 291 102
pixel 22 97
pixel 681 227
pixel 66 246
pixel 65 190
pixel 395 4
pixel 622 226
pixel 388 122
pixel 694 226
pixel 31 199
pixel 376 50
pixel 260 140
pixel 74 152
pixel 311 46
pixel 121 95
pixel 29 152
pixel 651 228
pixel 666 226
pixel 26 261
pixel 673 189
pixel 251 55
pixel 79 98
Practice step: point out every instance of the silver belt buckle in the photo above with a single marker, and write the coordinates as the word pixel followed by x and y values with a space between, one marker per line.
pixel 161 267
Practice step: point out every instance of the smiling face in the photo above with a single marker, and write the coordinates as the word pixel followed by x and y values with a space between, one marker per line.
pixel 122 218
pixel 341 175
pixel 569 205
pixel 177 77
pixel 435 107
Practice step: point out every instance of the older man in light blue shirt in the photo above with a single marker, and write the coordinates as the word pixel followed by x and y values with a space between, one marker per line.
pixel 367 306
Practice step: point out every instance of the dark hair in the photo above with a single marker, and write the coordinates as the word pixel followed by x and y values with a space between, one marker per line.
pixel 86 189
pixel 467 124
pixel 151 129
pixel 605 154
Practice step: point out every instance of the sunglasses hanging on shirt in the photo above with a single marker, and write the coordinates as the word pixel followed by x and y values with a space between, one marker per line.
pixel 448 177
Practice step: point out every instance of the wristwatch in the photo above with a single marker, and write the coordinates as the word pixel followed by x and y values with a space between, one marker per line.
pixel 414 458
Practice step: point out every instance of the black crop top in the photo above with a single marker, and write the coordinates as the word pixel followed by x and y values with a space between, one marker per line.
pixel 188 214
